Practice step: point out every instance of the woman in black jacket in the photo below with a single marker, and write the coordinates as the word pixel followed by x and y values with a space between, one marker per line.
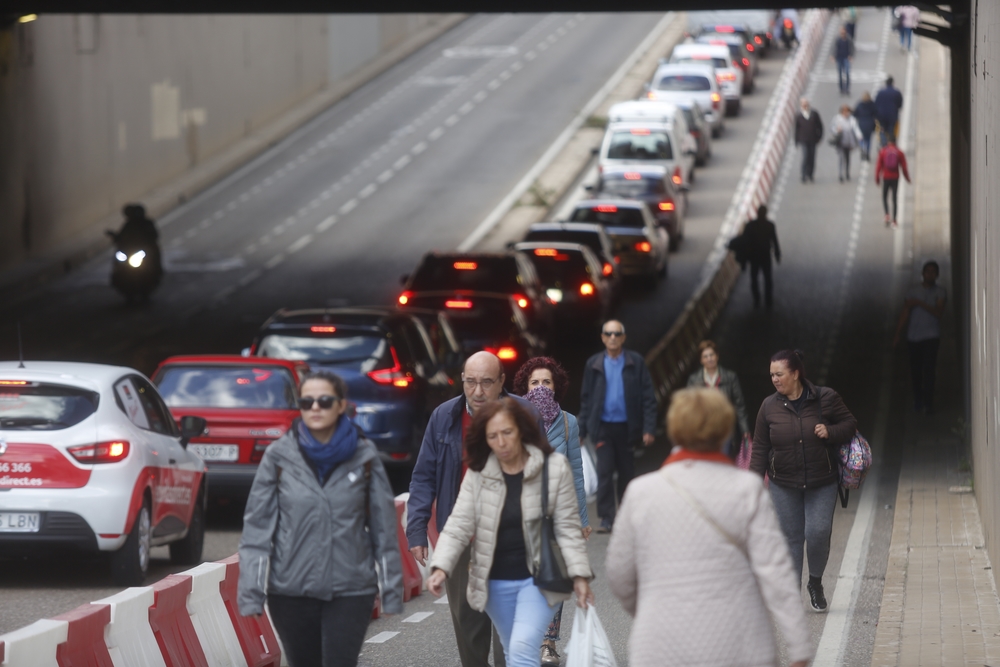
pixel 799 430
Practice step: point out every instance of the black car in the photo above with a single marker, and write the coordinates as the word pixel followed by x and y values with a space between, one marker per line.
pixel 574 279
pixel 508 274
pixel 486 321
pixel 650 184
pixel 593 236
pixel 398 366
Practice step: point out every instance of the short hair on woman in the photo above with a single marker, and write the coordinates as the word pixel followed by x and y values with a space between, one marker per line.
pixel 794 359
pixel 560 378
pixel 707 344
pixel 700 419
pixel 477 449
pixel 337 382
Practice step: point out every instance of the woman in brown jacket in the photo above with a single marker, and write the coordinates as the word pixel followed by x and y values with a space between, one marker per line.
pixel 799 430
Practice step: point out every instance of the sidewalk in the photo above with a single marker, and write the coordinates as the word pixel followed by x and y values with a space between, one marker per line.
pixel 939 603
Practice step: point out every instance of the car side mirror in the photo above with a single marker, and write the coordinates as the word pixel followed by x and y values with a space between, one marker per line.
pixel 191 427
pixel 403 278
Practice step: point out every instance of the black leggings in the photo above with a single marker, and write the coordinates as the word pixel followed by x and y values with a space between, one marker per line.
pixel 887 185
pixel 315 633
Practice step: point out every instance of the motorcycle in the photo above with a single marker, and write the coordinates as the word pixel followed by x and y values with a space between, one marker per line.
pixel 788 33
pixel 135 269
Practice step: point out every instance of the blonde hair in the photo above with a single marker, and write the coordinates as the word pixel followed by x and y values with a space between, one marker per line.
pixel 700 419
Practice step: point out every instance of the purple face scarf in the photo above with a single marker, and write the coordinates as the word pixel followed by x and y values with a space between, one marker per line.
pixel 545 402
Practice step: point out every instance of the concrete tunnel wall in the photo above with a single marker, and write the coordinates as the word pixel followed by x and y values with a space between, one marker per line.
pixel 96 110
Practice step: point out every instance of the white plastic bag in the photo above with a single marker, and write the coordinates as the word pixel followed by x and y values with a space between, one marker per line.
pixel 589 472
pixel 588 645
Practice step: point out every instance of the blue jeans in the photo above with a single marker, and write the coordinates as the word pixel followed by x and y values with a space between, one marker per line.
pixel 844 74
pixel 905 37
pixel 520 614
pixel 806 515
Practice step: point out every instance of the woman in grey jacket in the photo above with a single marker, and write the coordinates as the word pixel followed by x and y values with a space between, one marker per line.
pixel 305 547
pixel 543 381
pixel 715 376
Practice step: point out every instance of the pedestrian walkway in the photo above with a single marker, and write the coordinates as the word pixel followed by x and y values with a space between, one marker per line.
pixel 939 603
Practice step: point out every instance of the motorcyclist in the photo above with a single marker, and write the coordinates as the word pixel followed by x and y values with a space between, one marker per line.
pixel 139 233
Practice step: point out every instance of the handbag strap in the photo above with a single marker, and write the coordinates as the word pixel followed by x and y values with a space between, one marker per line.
pixel 703 513
pixel 566 429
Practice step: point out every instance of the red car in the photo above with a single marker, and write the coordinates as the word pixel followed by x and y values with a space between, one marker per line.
pixel 247 402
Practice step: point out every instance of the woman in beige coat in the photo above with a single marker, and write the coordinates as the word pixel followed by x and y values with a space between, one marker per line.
pixel 500 505
pixel 698 557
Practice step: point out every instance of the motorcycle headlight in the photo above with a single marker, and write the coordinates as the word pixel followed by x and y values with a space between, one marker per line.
pixel 555 295
pixel 136 259
pixel 120 256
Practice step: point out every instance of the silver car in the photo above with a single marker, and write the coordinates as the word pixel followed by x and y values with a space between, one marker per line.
pixel 641 245
pixel 681 83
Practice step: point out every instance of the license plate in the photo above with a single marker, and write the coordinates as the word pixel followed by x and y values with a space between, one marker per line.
pixel 19 522
pixel 216 452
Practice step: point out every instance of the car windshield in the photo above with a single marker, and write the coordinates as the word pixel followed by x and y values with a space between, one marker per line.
pixel 559 267
pixel 44 407
pixel 484 318
pixel 336 348
pixel 478 274
pixel 630 185
pixel 640 144
pixel 589 239
pixel 719 63
pixel 684 83
pixel 609 216
pixel 267 387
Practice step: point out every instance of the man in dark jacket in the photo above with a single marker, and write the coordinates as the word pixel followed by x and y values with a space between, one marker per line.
pixel 864 112
pixel 760 237
pixel 617 411
pixel 808 133
pixel 842 53
pixel 888 102
pixel 437 475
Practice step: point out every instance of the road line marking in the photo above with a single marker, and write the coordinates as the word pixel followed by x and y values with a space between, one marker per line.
pixel 436 133
pixel 450 120
pixel 274 261
pixel 367 191
pixel 381 637
pixel 466 108
pixel 300 244
pixel 442 600
pixel 419 148
pixel 385 176
pixel 250 277
pixel 219 215
pixel 189 234
pixel 530 55
pixel 504 75
pixel 326 224
pixel 349 206
pixel 493 85
pixel 480 96
pixel 516 66
pixel 401 162
pixel 419 616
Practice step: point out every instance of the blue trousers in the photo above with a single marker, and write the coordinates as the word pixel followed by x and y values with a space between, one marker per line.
pixel 844 74
pixel 520 614
pixel 806 515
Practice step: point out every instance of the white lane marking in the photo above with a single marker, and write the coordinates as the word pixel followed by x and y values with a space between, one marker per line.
pixel 381 637
pixel 466 108
pixel 189 234
pixel 299 244
pixel 898 258
pixel 401 162
pixel 419 148
pixel 436 133
pixel 419 616
pixel 516 66
pixel 250 277
pixel 451 120
pixel 205 223
pixel 480 96
pixel 274 261
pixel 493 85
pixel 349 206
pixel 326 224
pixel 530 55
pixel 529 178
pixel 218 215
pixel 442 600
pixel 385 176
pixel 367 191
pixel 504 75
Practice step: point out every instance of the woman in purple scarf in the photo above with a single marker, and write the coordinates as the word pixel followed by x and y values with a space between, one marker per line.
pixel 543 381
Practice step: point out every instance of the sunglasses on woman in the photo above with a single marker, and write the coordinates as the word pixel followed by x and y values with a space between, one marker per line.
pixel 325 402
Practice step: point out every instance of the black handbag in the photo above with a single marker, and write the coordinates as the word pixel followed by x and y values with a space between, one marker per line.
pixel 552 574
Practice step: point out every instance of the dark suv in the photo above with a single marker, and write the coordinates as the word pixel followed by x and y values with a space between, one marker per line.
pixel 591 235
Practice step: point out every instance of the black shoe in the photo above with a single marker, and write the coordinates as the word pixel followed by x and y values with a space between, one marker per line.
pixel 816 598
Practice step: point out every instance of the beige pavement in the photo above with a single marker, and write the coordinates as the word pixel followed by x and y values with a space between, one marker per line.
pixel 939 603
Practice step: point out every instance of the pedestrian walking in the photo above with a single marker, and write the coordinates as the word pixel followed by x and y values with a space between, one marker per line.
pixel 543 381
pixel 846 136
pixel 849 16
pixel 618 413
pixel 758 240
pixel 909 18
pixel 922 313
pixel 698 558
pixel 842 53
pixel 808 133
pixel 888 102
pixel 437 476
pixel 714 376
pixel 500 508
pixel 891 161
pixel 865 114
pixel 795 441
pixel 320 515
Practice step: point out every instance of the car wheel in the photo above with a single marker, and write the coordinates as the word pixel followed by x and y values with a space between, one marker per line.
pixel 131 562
pixel 188 550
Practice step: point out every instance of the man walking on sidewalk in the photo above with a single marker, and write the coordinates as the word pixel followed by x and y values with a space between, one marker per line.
pixel 617 411
pixel 842 53
pixel 437 475
pixel 888 102
pixel 890 162
pixel 760 237
pixel 922 311
pixel 808 133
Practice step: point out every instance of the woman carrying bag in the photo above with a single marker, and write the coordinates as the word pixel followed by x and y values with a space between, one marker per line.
pixel 319 517
pixel 845 137
pixel 500 505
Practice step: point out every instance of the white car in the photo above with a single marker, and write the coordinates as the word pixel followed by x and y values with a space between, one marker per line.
pixel 683 83
pixel 91 460
pixel 652 133
pixel 728 74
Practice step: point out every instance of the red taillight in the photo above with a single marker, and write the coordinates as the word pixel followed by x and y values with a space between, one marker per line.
pixel 606 208
pixel 746 63
pixel 788 23
pixel 618 260
pixel 587 289
pixel 724 76
pixel 398 456
pixel 642 131
pixel 608 269
pixel 677 178
pixel 100 452
pixel 257 453
pixel 757 39
pixel 725 28
pixel 461 304
pixel 750 48
pixel 394 376
pixel 405 297
pixel 465 266
pixel 546 252
pixel 643 246
pixel 633 176
pixel 667 205
pixel 323 329
pixel 769 35
pixel 522 301
pixel 506 353
pixel 717 99
pixel 736 63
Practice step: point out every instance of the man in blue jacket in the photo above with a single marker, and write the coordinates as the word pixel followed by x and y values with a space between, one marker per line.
pixel 437 475
pixel 617 412
pixel 888 102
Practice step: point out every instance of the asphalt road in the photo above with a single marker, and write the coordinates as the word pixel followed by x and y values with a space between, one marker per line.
pixel 413 191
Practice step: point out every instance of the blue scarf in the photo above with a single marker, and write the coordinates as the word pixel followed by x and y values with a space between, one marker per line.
pixel 327 455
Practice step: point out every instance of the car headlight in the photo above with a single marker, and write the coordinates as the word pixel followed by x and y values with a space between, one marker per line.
pixel 555 295
pixel 136 259
pixel 120 256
